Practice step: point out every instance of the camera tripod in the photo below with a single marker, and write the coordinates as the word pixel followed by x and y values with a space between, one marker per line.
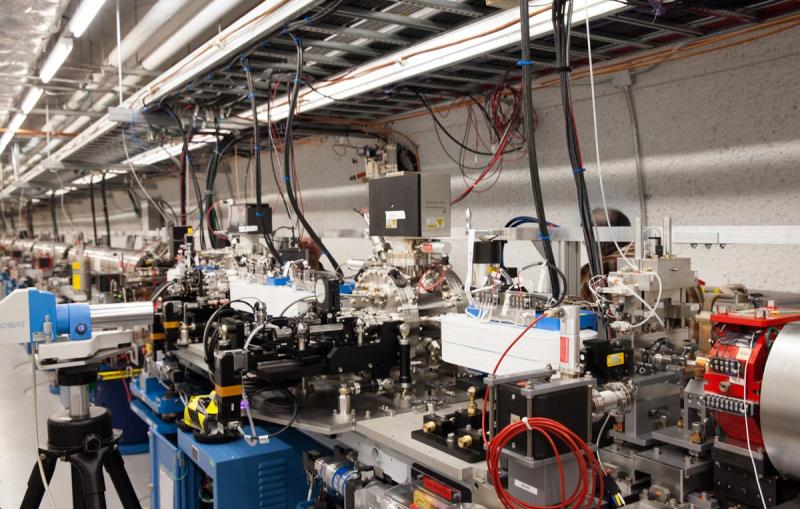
pixel 83 437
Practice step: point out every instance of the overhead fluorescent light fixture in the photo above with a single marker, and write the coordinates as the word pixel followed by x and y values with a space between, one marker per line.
pixel 84 181
pixel 261 20
pixel 34 94
pixel 163 152
pixel 84 14
pixel 5 140
pixel 62 191
pixel 17 122
pixel 55 59
pixel 87 179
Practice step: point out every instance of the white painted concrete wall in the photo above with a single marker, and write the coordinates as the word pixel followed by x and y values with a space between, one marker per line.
pixel 720 138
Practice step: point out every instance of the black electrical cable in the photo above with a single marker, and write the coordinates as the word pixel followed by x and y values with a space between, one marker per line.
pixel 256 145
pixel 186 164
pixel 211 320
pixel 29 216
pixel 295 410
pixel 91 201
pixel 198 194
pixel 211 177
pixel 287 160
pixel 561 40
pixel 105 209
pixel 137 209
pixel 455 140
pixel 533 162
pixel 165 203
pixel 272 163
pixel 53 215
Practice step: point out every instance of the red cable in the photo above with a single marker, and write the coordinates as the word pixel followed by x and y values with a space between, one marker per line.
pixel 127 391
pixel 421 285
pixel 496 366
pixel 590 484
pixel 588 488
pixel 497 157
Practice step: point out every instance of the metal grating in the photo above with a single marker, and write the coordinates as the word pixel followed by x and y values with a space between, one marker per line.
pixel 359 31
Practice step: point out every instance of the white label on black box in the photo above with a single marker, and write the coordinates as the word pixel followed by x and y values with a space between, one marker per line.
pixel 392 216
pixel 248 228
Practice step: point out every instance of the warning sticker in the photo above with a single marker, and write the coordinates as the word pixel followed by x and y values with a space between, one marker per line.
pixel 434 221
pixel 393 216
pixel 615 359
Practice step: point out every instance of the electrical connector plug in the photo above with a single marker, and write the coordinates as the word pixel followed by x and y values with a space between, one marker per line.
pixel 613 492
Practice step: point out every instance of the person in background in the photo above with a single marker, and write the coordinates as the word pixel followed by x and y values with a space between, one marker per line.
pixel 608 250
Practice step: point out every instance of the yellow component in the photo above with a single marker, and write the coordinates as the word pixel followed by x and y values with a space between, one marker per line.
pixel 172 325
pixel 201 410
pixel 230 390
pixel 472 407
pixel 465 441
pixel 76 277
pixel 190 231
pixel 429 426
pixel 615 359
pixel 118 374
pixel 425 500
pixel 156 336
pixel 422 500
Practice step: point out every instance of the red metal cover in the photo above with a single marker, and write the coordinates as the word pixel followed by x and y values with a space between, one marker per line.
pixel 775 317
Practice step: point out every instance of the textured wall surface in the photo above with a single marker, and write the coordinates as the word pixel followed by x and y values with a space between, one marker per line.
pixel 720 138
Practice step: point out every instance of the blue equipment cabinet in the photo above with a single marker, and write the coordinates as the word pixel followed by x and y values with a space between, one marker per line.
pixel 267 475
pixel 172 475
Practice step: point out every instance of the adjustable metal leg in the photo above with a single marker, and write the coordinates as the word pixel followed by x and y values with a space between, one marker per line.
pixel 78 497
pixel 35 491
pixel 122 483
pixel 90 467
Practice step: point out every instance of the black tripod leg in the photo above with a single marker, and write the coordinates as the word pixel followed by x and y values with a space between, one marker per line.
pixel 90 467
pixel 122 483
pixel 35 491
pixel 78 497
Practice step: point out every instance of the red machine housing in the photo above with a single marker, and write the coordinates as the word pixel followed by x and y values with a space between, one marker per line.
pixel 741 343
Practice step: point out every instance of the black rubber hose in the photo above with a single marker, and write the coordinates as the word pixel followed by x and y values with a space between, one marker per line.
pixel 94 215
pixel 256 143
pixel 53 215
pixel 573 144
pixel 105 209
pixel 533 162
pixel 287 161
pixel 29 216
